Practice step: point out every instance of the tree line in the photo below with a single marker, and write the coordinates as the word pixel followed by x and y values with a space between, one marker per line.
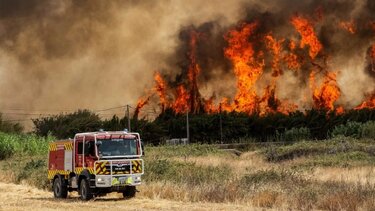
pixel 207 128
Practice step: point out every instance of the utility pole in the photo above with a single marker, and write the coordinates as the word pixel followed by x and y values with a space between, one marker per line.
pixel 187 126
pixel 128 114
pixel 221 126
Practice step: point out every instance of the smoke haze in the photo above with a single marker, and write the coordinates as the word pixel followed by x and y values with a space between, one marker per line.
pixel 94 54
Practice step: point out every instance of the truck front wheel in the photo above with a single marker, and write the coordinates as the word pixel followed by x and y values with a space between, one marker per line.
pixel 129 192
pixel 60 189
pixel 85 190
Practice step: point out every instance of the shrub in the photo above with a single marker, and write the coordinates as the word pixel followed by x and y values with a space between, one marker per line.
pixel 368 130
pixel 67 125
pixel 297 134
pixel 11 144
pixel 299 149
pixel 350 129
pixel 6 149
pixel 9 127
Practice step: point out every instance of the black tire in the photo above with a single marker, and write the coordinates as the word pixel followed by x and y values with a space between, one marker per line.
pixel 129 192
pixel 60 188
pixel 85 190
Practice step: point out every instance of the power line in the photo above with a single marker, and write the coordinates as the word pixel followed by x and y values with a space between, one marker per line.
pixel 34 110
pixel 28 114
pixel 60 110
pixel 107 109
pixel 16 120
pixel 25 113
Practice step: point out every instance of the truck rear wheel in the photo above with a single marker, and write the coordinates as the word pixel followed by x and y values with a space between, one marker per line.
pixel 85 190
pixel 129 192
pixel 60 189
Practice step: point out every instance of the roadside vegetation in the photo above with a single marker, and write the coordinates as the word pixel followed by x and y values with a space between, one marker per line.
pixel 205 128
pixel 299 172
pixel 304 175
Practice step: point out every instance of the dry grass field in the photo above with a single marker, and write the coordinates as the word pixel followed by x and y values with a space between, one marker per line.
pixel 25 197
pixel 326 175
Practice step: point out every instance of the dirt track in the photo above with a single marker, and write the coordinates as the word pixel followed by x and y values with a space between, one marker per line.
pixel 22 197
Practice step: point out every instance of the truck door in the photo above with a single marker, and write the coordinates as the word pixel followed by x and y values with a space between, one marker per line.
pixel 90 153
pixel 79 153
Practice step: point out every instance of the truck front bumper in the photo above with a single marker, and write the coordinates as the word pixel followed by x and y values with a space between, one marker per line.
pixel 105 181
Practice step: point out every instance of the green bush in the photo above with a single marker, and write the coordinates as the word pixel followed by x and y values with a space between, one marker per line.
pixel 355 130
pixel 67 125
pixel 296 134
pixel 11 144
pixel 350 129
pixel 6 149
pixel 9 127
pixel 368 130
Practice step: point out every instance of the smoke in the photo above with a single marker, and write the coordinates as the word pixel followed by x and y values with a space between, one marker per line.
pixel 91 54
pixel 343 52
pixel 96 54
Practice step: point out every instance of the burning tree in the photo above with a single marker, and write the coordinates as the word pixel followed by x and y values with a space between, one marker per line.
pixel 259 59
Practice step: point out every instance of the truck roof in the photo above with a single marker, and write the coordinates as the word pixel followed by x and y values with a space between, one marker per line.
pixel 101 133
pixel 109 133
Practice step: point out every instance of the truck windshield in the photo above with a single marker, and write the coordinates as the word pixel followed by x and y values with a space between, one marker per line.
pixel 117 147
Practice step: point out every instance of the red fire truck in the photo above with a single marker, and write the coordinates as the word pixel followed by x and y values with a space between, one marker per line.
pixel 95 164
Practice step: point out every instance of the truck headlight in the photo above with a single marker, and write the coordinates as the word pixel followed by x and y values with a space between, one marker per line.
pixel 103 180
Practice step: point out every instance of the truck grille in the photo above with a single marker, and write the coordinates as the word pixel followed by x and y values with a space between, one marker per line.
pixel 119 167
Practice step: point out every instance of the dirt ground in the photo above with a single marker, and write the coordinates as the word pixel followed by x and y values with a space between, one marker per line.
pixel 23 197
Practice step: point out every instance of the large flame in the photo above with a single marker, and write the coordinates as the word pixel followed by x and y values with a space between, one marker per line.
pixel 326 95
pixel 180 105
pixel 275 47
pixel 247 66
pixel 307 32
pixel 161 90
pixel 248 49
pixel 193 72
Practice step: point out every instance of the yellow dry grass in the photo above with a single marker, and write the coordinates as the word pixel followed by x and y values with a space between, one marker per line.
pixel 23 197
pixel 355 175
pixel 167 195
pixel 249 161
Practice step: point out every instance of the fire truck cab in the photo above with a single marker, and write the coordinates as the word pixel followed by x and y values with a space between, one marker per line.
pixel 95 164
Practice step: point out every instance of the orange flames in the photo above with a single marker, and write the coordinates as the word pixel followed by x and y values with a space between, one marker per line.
pixel 275 48
pixel 161 88
pixel 369 103
pixel 140 104
pixel 307 32
pixel 270 104
pixel 193 72
pixel 349 26
pixel 249 49
pixel 180 105
pixel 291 59
pixel 326 95
pixel 372 53
pixel 247 67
